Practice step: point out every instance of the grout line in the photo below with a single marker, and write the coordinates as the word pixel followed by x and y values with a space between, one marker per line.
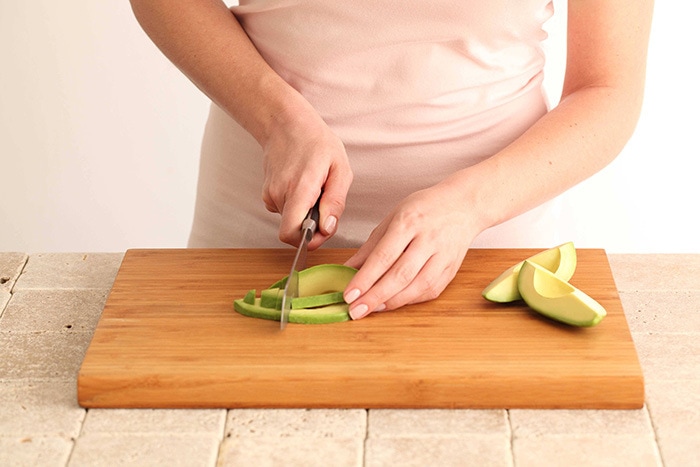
pixel 364 441
pixel 510 437
pixel 75 439
pixel 656 438
pixel 11 291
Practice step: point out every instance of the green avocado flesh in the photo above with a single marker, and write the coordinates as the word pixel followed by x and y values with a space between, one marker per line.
pixel 547 294
pixel 560 260
pixel 320 297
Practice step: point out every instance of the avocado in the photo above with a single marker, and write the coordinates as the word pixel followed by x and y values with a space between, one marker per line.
pixel 315 301
pixel 320 297
pixel 547 294
pixel 560 260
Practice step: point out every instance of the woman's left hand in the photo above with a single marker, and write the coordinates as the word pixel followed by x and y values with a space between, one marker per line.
pixel 413 254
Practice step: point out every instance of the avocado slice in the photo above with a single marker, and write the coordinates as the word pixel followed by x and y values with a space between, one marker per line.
pixel 321 279
pixel 560 260
pixel 547 294
pixel 320 297
pixel 315 301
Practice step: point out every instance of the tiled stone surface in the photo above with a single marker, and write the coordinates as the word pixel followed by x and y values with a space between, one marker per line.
pixel 11 265
pixel 39 355
pixel 4 300
pixel 675 407
pixel 107 421
pixel 586 450
pixel 662 312
pixel 537 423
pixel 310 423
pixel 445 437
pixel 47 321
pixel 491 450
pixel 294 437
pixel 39 408
pixel 655 272
pixel 436 423
pixel 583 437
pixel 167 450
pixel 54 310
pixel 675 412
pixel 291 451
pixel 668 357
pixel 70 271
pixel 31 451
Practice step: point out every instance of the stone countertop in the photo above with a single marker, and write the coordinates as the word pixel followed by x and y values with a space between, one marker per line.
pixel 51 303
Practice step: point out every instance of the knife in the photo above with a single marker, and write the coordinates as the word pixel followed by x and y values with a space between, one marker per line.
pixel 291 288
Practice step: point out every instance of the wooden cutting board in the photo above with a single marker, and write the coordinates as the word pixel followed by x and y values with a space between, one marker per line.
pixel 168 337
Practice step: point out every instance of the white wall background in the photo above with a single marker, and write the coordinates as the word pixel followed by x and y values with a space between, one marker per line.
pixel 100 134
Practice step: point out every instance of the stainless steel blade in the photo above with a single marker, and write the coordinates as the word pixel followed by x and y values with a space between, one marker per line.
pixel 291 288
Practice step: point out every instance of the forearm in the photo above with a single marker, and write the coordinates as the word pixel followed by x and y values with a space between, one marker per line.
pixel 575 140
pixel 207 43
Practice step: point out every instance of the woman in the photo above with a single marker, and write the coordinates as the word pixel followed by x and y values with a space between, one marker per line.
pixel 423 124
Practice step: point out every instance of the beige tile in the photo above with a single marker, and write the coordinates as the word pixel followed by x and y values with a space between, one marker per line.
pixel 528 423
pixel 291 451
pixel 70 271
pixel 54 310
pixel 436 423
pixel 4 300
pixel 675 407
pixel 11 265
pixel 32 451
pixel 169 450
pixel 592 450
pixel 313 423
pixel 155 421
pixel 42 355
pixel 481 450
pixel 39 408
pixel 680 450
pixel 656 272
pixel 668 356
pixel 662 312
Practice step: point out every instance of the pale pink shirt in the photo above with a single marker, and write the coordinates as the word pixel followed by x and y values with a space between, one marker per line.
pixel 416 90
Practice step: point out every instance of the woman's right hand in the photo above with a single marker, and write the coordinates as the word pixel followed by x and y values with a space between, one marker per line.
pixel 301 160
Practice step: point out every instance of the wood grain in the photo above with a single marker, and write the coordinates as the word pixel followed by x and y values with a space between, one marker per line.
pixel 168 337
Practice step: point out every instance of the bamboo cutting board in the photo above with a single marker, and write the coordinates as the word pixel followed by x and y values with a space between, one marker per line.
pixel 168 337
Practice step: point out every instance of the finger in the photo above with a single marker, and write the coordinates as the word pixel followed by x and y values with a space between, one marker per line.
pixel 335 192
pixel 397 279
pixel 390 246
pixel 294 211
pixel 428 284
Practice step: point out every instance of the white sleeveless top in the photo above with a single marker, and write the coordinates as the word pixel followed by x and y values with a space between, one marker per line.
pixel 415 90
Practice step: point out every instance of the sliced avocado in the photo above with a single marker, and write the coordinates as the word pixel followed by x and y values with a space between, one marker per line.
pixel 547 294
pixel 315 301
pixel 322 315
pixel 250 297
pixel 321 279
pixel 320 297
pixel 269 298
pixel 560 260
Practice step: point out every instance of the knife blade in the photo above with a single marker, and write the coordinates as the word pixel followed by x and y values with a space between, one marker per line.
pixel 291 288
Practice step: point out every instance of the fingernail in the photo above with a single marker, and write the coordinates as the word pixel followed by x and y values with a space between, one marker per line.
pixel 329 226
pixel 352 295
pixel 359 311
pixel 381 307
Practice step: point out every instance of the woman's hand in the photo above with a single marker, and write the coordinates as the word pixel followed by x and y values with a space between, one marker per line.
pixel 413 254
pixel 300 162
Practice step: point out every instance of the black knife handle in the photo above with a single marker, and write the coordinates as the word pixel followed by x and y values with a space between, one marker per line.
pixel 310 224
